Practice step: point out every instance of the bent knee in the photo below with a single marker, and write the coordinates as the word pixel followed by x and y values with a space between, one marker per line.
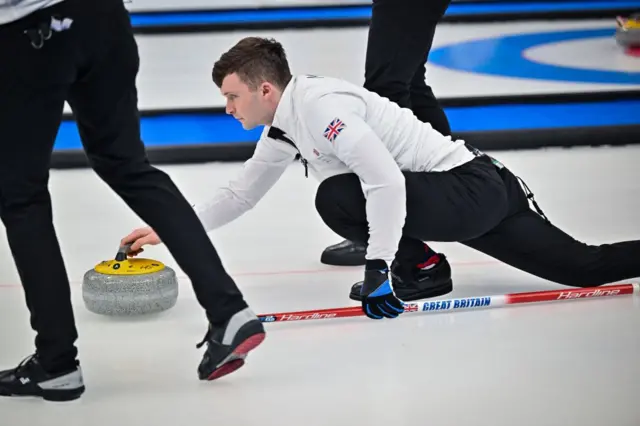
pixel 338 193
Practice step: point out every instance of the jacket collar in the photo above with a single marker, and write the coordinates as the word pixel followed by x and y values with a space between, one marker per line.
pixel 282 119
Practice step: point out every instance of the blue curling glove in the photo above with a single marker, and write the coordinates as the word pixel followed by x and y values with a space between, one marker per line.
pixel 378 300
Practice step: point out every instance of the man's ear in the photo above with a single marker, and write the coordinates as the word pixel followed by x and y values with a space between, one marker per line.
pixel 266 88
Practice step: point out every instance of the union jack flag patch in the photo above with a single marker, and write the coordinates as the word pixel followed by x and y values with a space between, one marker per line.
pixel 410 307
pixel 334 129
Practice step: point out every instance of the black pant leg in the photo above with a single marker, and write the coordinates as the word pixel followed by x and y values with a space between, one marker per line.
pixel 460 204
pixel 394 49
pixel 399 40
pixel 33 87
pixel 425 105
pixel 104 101
pixel 526 241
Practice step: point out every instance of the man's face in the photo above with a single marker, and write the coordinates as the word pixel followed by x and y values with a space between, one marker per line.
pixel 251 108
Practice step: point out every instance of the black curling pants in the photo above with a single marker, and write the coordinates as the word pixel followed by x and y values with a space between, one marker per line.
pixel 93 65
pixel 483 207
pixel 399 40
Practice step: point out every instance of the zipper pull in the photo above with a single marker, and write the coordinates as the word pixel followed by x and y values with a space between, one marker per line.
pixel 306 168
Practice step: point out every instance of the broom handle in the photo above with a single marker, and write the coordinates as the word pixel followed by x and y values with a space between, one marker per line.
pixel 465 303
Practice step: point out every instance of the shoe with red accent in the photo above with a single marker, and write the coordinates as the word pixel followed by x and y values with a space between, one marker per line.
pixel 431 278
pixel 229 344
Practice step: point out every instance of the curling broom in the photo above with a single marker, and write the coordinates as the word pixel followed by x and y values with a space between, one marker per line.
pixel 465 303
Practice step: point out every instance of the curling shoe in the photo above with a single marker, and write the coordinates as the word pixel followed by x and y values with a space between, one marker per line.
pixel 29 378
pixel 229 344
pixel 346 253
pixel 419 282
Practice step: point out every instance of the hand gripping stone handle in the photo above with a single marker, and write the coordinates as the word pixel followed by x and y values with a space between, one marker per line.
pixel 122 252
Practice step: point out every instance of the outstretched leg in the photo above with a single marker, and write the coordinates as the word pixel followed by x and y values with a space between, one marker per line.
pixel 527 241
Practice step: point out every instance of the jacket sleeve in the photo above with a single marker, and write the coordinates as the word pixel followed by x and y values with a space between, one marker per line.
pixel 337 122
pixel 258 175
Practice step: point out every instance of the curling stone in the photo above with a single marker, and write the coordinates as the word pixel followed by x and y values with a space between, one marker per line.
pixel 628 31
pixel 127 287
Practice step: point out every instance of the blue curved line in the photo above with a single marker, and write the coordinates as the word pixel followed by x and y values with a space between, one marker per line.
pixel 371 314
pixel 393 307
pixel 503 56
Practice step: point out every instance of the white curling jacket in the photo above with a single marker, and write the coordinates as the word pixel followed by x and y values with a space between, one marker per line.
pixel 337 127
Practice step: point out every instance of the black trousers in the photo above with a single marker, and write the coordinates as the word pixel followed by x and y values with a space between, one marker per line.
pixel 93 65
pixel 399 40
pixel 484 207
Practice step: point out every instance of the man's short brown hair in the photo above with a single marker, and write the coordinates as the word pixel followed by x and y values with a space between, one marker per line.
pixel 254 60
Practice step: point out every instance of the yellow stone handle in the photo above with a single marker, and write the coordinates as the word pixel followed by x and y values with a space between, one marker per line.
pixel 123 266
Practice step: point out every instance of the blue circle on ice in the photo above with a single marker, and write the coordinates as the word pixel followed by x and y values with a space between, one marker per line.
pixel 504 56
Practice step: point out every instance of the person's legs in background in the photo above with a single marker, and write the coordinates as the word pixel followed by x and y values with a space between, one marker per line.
pixel 92 63
pixel 104 101
pixel 399 41
pixel 33 89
